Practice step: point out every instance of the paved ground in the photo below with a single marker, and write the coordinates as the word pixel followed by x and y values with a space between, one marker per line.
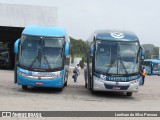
pixel 75 97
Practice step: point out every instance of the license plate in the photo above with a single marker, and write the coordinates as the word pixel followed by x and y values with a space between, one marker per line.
pixel 116 88
pixel 39 83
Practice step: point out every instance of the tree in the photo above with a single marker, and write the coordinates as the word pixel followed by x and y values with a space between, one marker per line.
pixel 78 48
pixel 147 54
pixel 155 52
pixel 151 51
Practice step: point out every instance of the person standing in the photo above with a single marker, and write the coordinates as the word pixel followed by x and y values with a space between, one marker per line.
pixel 143 73
pixel 76 72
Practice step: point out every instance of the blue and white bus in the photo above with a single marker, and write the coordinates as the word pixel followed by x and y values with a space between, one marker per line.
pixel 152 66
pixel 41 57
pixel 113 62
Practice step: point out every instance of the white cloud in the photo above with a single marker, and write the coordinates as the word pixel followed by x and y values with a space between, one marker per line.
pixel 82 17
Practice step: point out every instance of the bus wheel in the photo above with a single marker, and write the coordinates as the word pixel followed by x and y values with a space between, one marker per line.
pixel 24 87
pixel 15 74
pixel 92 90
pixel 60 89
pixel 129 93
pixel 85 84
pixel 65 84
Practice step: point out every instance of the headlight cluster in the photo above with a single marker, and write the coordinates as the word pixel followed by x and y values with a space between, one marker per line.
pixel 57 76
pixel 134 81
pixel 97 79
pixel 21 73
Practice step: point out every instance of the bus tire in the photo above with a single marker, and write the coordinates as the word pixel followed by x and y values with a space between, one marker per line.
pixel 24 87
pixel 85 84
pixel 60 89
pixel 92 90
pixel 89 82
pixel 129 93
pixel 15 74
pixel 15 78
pixel 65 84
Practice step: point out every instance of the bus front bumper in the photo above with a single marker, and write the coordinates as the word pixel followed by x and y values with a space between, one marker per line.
pixel 54 83
pixel 103 85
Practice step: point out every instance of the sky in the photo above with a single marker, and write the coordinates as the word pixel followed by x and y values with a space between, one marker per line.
pixel 82 17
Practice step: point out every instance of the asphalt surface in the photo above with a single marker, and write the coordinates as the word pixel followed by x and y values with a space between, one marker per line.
pixel 75 97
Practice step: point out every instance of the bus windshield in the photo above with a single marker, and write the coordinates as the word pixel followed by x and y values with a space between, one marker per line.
pixel 156 66
pixel 117 58
pixel 41 52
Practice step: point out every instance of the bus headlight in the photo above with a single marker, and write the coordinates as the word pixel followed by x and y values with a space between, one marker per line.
pixel 97 79
pixel 21 73
pixel 134 81
pixel 57 76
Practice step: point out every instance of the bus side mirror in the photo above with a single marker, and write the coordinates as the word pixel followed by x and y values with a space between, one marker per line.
pixel 16 46
pixel 91 51
pixel 67 49
pixel 151 64
pixel 142 53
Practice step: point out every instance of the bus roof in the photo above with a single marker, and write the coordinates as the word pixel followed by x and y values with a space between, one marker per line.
pixel 116 35
pixel 44 31
pixel 152 60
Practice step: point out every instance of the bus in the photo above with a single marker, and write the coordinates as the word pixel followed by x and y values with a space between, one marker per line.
pixel 41 57
pixel 152 66
pixel 113 62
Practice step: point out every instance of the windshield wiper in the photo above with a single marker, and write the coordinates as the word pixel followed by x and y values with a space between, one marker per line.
pixel 123 66
pixel 119 56
pixel 45 58
pixel 112 62
pixel 33 61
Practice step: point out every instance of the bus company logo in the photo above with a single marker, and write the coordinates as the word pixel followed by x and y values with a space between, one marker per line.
pixel 117 35
pixel 39 78
pixel 117 79
pixel 6 114
pixel 46 74
pixel 117 83
pixel 103 77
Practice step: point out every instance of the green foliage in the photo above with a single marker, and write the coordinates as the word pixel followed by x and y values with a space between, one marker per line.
pixel 78 48
pixel 82 63
pixel 152 53
pixel 147 54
